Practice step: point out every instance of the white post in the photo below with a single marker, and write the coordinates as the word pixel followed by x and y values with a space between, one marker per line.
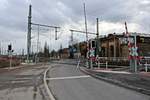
pixel 10 59
pixel 87 65
pixel 135 60
pixel 106 65
pixel 91 64
pixel 146 67
pixel 98 64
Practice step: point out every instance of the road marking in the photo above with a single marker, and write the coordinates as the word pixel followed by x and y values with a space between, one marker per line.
pixel 71 77
pixel 51 96
pixel 78 64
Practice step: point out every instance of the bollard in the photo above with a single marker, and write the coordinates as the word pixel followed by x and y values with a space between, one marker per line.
pixel 87 64
pixel 99 65
pixel 106 65
pixel 91 64
pixel 146 67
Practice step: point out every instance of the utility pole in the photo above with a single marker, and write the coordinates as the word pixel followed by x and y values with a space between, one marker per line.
pixel 97 20
pixel 37 44
pixel 114 46
pixel 0 49
pixel 71 41
pixel 22 55
pixel 86 31
pixel 50 45
pixel 71 37
pixel 56 33
pixel 88 49
pixel 29 34
pixel 22 52
pixel 97 40
pixel 38 34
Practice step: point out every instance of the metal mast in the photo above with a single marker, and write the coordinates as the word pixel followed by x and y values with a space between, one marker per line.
pixel 29 34
pixel 97 39
pixel 86 29
pixel 0 49
pixel 85 22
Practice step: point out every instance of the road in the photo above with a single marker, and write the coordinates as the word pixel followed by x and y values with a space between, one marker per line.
pixel 69 83
pixel 23 84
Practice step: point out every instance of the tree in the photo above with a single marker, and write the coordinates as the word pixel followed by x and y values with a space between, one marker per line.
pixel 46 50
pixel 60 51
pixel 53 53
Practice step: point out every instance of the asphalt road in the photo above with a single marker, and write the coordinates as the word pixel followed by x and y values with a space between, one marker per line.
pixel 23 84
pixel 68 83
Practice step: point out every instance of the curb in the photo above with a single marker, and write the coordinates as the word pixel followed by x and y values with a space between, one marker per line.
pixel 115 82
pixel 46 85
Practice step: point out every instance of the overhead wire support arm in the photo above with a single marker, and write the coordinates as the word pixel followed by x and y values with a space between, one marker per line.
pixel 83 32
pixel 45 25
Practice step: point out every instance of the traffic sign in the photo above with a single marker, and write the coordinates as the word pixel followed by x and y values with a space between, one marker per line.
pixel 92 52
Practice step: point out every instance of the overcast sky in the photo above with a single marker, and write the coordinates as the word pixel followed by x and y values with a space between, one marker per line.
pixel 68 14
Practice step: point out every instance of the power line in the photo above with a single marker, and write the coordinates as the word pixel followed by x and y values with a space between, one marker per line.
pixel 44 25
pixel 83 32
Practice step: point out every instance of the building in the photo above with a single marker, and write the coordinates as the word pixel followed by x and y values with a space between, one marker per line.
pixel 65 53
pixel 115 45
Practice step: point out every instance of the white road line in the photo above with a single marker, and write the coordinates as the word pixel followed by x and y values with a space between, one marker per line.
pixel 71 77
pixel 46 85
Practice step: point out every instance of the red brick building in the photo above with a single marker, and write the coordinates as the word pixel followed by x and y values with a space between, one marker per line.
pixel 115 45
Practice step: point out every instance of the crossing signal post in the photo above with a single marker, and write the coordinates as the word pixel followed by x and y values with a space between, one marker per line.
pixel 9 47
pixel 133 54
pixel 92 52
pixel 10 51
pixel 133 50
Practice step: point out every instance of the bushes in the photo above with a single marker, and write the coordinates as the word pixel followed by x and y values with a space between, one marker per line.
pixel 4 62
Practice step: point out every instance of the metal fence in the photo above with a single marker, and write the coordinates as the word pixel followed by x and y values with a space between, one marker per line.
pixel 144 64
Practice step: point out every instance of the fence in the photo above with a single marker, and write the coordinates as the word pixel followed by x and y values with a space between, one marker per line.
pixel 120 61
pixel 144 64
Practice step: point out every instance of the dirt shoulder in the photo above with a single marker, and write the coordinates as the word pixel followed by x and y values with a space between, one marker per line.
pixel 17 68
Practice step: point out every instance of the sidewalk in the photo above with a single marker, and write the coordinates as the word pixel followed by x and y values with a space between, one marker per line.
pixel 139 82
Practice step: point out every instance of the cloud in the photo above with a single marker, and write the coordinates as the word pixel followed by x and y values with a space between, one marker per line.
pixel 68 14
